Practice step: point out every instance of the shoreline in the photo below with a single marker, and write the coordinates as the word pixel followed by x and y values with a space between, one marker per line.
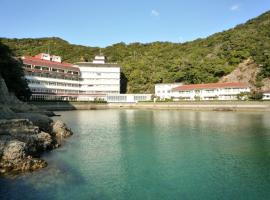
pixel 196 106
pixel 25 133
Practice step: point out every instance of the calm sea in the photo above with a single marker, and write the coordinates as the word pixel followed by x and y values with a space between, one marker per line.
pixel 159 155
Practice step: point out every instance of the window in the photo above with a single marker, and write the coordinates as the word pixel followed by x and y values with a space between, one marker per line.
pixel 27 66
pixel 37 67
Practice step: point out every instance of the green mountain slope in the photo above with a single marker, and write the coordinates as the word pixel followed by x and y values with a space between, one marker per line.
pixel 143 65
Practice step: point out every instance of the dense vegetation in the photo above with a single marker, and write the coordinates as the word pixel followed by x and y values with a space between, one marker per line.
pixel 143 65
pixel 12 72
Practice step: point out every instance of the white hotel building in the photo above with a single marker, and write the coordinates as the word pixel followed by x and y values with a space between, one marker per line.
pixel 98 79
pixel 51 79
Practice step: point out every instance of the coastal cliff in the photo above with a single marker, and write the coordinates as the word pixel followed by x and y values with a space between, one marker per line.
pixel 25 133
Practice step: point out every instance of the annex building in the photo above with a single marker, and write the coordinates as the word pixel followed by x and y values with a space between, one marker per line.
pixel 209 91
pixel 164 90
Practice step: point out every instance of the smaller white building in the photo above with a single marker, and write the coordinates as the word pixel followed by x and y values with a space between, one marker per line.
pixel 164 90
pixel 210 91
pixel 266 95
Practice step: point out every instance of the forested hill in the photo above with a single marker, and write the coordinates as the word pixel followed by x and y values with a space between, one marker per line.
pixel 202 60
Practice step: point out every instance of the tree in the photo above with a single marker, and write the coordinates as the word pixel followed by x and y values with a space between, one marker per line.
pixel 256 95
pixel 12 72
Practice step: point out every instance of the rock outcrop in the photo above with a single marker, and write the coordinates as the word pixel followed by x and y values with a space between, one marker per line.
pixel 61 130
pixel 246 72
pixel 25 133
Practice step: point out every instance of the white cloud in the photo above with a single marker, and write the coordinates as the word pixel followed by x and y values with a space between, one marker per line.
pixel 155 13
pixel 235 7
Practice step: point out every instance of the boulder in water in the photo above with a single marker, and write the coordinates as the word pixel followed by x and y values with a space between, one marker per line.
pixel 60 130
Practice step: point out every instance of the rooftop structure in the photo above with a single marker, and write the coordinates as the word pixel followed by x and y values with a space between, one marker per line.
pixel 99 60
pixel 45 56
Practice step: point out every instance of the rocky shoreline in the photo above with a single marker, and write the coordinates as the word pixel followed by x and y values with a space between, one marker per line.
pixel 25 133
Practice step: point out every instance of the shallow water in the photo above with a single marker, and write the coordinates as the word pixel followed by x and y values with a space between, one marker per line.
pixel 134 154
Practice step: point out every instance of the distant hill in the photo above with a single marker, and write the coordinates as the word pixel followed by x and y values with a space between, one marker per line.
pixel 200 61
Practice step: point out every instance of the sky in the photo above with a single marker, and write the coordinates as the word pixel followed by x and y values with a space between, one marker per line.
pixel 105 22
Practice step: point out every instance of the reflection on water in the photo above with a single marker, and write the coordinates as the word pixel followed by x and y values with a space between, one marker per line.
pixel 132 154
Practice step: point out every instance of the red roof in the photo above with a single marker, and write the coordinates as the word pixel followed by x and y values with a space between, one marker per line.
pixel 37 61
pixel 210 86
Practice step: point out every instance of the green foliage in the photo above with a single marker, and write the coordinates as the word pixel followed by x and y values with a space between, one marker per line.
pixel 143 65
pixel 197 98
pixel 164 100
pixel 259 80
pixel 253 96
pixel 12 72
pixel 99 100
pixel 256 95
pixel 244 96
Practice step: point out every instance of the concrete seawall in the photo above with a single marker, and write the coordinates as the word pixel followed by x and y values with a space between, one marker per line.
pixel 209 106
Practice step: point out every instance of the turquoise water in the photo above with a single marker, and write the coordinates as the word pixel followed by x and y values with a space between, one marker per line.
pixel 133 154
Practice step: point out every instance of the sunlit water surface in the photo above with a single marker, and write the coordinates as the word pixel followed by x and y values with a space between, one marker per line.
pixel 133 154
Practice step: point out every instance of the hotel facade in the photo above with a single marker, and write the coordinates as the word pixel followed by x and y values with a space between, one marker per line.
pixel 98 79
pixel 51 79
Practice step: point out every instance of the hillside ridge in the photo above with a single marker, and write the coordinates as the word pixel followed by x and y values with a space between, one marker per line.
pixel 199 61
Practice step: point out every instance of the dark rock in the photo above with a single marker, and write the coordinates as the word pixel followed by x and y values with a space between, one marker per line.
pixel 45 141
pixel 42 121
pixel 19 140
pixel 14 151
